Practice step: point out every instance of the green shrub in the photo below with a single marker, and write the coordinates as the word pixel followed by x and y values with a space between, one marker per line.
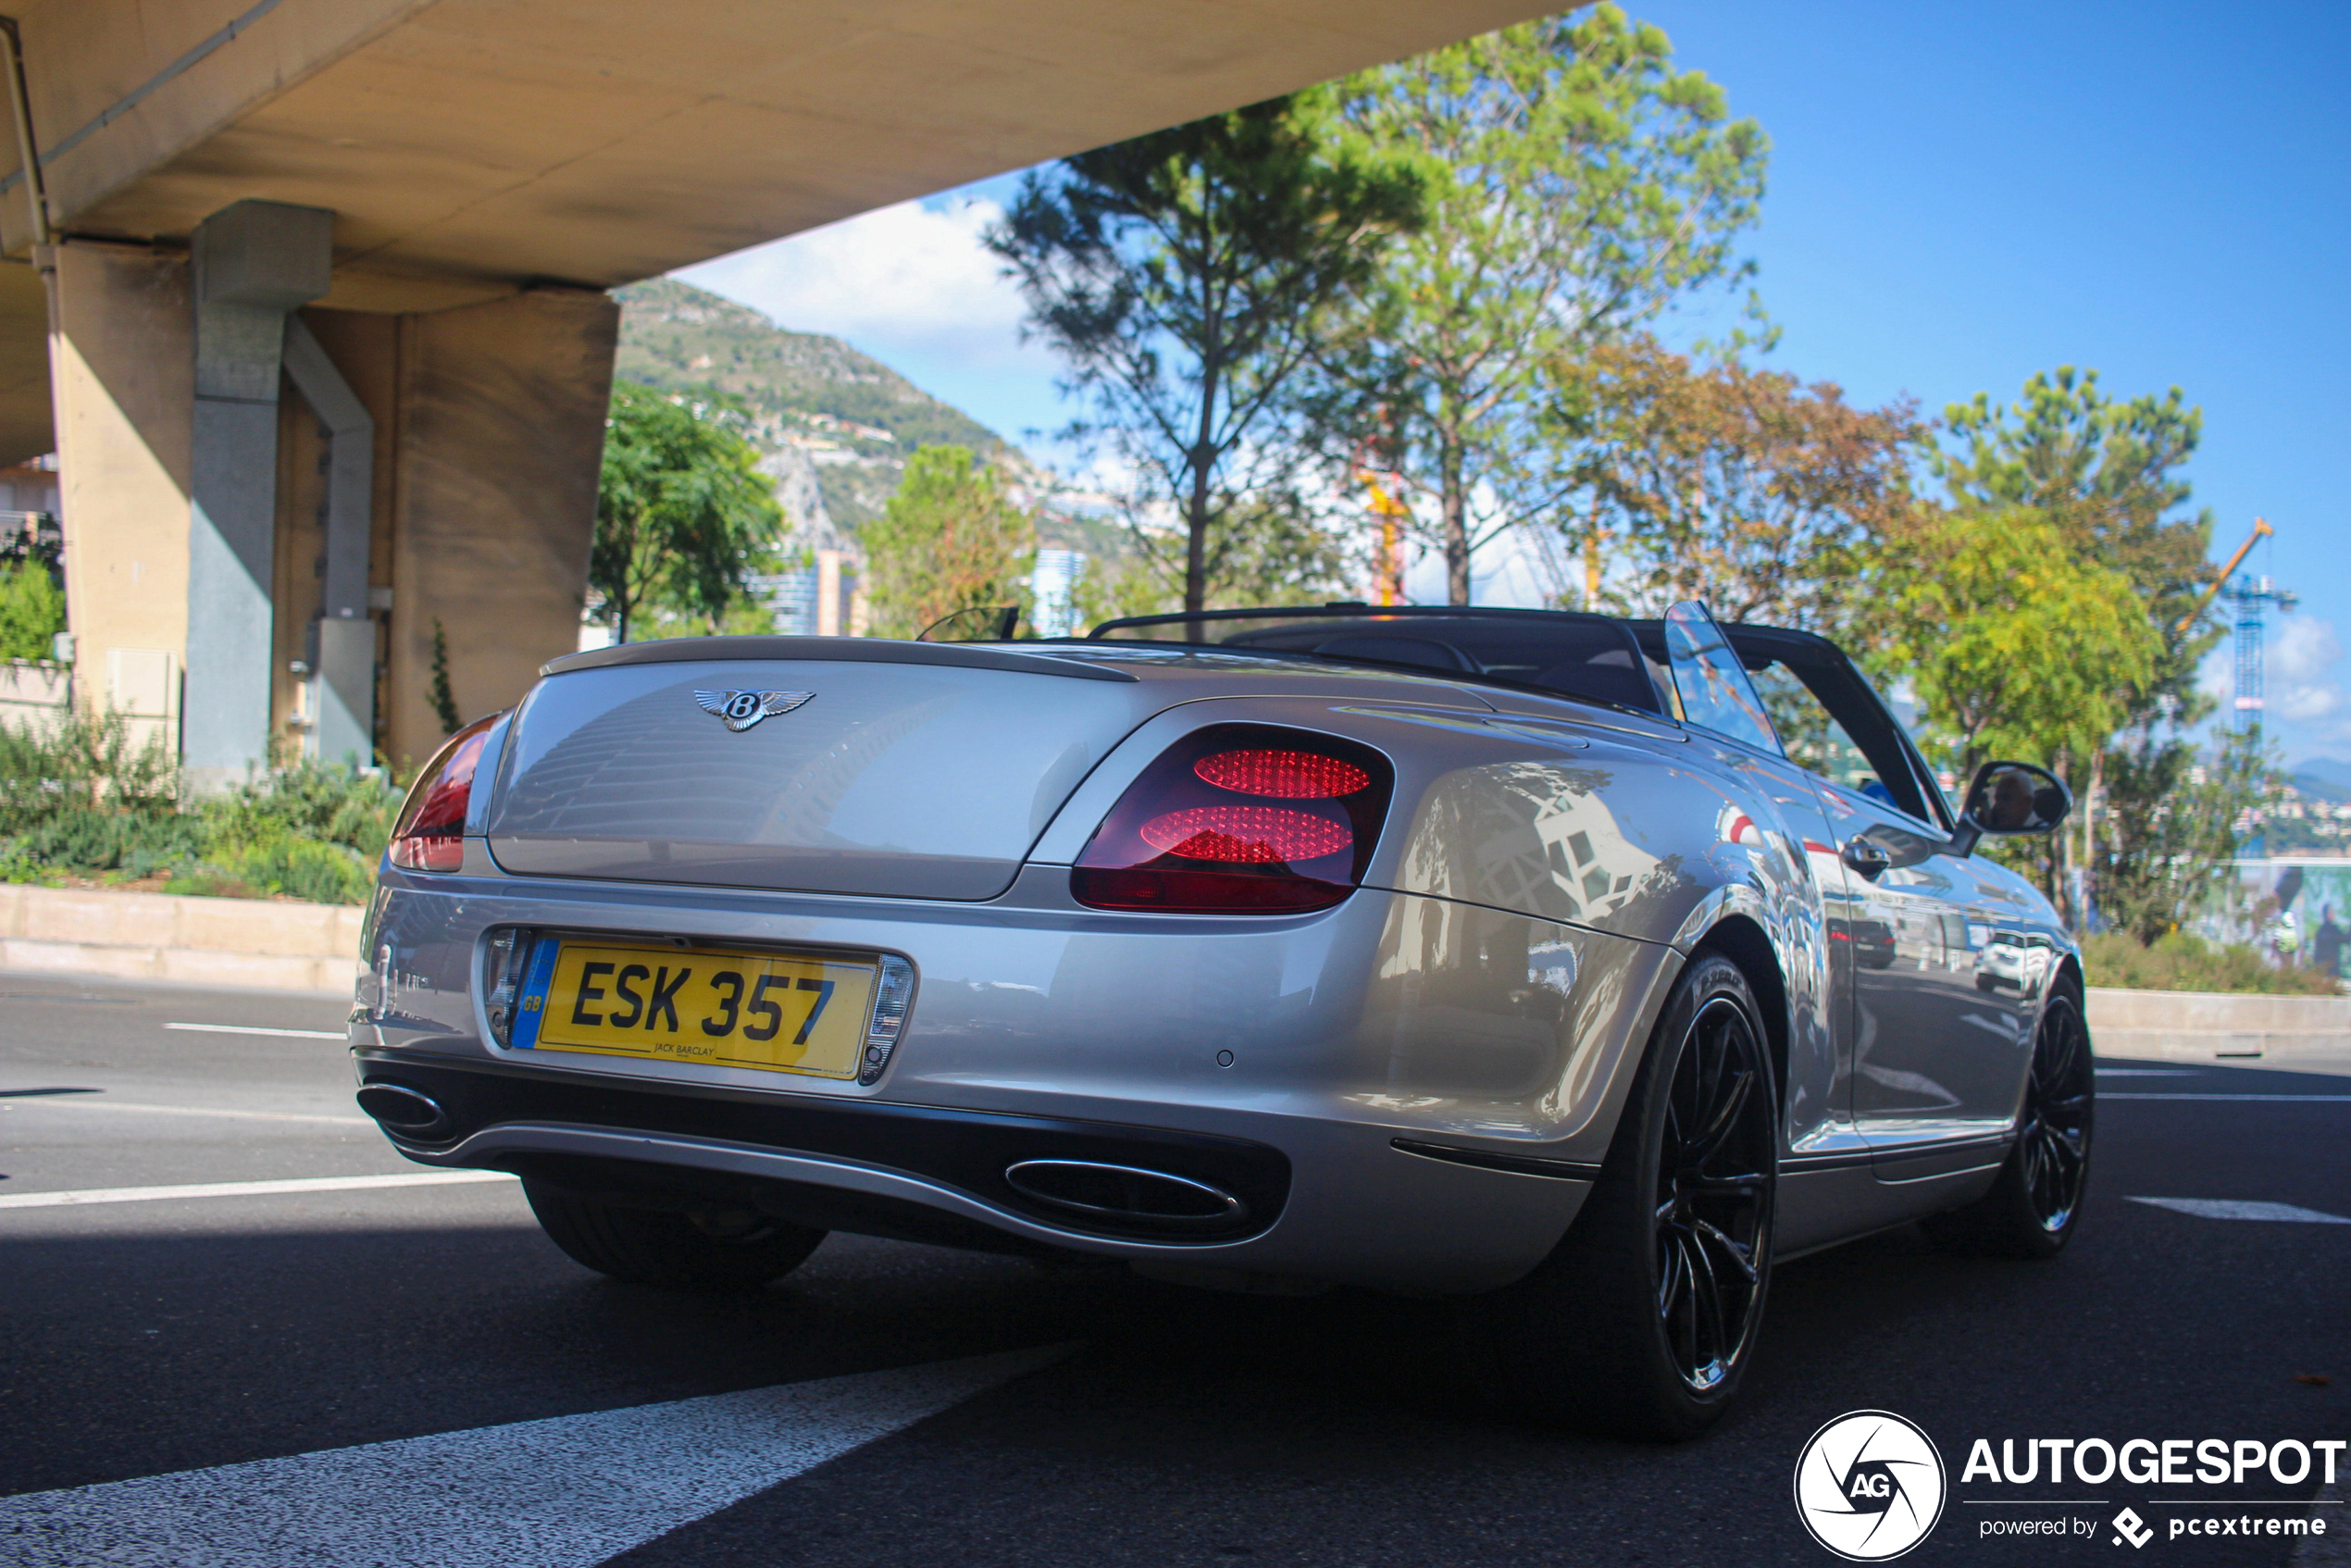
pixel 306 831
pixel 86 764
pixel 86 801
pixel 304 868
pixel 211 882
pixel 137 843
pixel 2183 962
pixel 17 865
pixel 33 611
pixel 327 803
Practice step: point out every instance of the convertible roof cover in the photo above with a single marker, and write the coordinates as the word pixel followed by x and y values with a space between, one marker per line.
pixel 1596 658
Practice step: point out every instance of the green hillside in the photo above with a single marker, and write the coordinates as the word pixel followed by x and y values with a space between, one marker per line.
pixel 675 336
pixel 838 425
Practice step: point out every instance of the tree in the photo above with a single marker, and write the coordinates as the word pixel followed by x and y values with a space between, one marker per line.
pixel 1737 486
pixel 1576 186
pixel 949 540
pixel 2103 471
pixel 2170 826
pixel 2018 648
pixel 1183 277
pixel 683 515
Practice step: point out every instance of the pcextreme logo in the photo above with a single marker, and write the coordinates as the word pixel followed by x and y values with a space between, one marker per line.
pixel 1870 1485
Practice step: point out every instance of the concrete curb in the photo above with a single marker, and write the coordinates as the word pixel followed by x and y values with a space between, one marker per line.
pixel 262 944
pixel 2204 1026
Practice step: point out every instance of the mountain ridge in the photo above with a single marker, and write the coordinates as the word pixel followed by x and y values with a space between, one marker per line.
pixel 835 425
pixel 2323 778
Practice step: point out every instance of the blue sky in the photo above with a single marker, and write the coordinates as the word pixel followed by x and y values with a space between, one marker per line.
pixel 1959 197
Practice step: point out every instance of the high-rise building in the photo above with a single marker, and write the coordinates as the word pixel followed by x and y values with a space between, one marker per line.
pixel 790 597
pixel 1050 588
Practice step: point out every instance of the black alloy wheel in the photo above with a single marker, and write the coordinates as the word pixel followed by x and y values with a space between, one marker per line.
pixel 1715 1192
pixel 2053 1133
pixel 2035 1203
pixel 1644 1318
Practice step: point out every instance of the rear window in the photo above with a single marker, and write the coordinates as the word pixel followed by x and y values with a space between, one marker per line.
pixel 1587 657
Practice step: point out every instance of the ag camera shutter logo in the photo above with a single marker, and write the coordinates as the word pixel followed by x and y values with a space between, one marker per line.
pixel 1870 1485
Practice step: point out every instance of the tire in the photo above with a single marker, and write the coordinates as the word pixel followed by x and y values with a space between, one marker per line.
pixel 1643 1320
pixel 729 1249
pixel 2035 1202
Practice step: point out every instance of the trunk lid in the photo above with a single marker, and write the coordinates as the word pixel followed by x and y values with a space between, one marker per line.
pixel 907 771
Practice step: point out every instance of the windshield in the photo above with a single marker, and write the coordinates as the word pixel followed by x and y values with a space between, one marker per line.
pixel 1712 682
pixel 1578 655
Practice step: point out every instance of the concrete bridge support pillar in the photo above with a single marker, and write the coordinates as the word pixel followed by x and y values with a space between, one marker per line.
pixel 246 487
pixel 123 383
pixel 254 261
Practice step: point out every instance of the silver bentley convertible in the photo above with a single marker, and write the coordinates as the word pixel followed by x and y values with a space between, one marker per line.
pixel 1578 968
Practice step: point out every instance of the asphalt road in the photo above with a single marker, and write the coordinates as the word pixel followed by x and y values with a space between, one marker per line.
pixel 1152 1424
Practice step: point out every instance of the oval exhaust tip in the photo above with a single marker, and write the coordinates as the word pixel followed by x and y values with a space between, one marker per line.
pixel 1125 1192
pixel 409 1113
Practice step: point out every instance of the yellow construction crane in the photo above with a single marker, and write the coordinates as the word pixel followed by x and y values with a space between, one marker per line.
pixel 1388 565
pixel 2262 530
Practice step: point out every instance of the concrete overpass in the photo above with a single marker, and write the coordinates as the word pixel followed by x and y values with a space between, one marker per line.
pixel 321 334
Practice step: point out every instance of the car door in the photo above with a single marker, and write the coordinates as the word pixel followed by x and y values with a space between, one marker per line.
pixel 1936 1057
pixel 1934 1054
pixel 1719 706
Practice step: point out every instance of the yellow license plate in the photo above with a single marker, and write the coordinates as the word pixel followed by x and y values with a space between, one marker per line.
pixel 789 1013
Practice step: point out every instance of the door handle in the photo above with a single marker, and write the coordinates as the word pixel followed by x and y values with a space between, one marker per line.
pixel 1870 859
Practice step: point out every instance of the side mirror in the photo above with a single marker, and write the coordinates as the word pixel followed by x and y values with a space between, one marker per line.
pixel 2011 797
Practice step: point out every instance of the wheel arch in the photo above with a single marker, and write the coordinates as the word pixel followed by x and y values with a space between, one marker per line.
pixel 1738 938
pixel 2068 980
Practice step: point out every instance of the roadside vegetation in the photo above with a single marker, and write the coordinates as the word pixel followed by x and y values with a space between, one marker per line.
pixel 2179 962
pixel 86 805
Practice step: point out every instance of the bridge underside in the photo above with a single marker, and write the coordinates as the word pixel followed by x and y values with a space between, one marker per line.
pixel 477 173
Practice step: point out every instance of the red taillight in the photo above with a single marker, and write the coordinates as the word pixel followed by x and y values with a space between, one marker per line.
pixel 430 833
pixel 1197 834
pixel 1247 835
pixel 1289 775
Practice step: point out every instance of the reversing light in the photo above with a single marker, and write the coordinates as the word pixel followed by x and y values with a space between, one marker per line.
pixel 1199 833
pixel 430 832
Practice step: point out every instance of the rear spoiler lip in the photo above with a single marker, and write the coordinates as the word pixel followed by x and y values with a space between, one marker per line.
pixel 853 650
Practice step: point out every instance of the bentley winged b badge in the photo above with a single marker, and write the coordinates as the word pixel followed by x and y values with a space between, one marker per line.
pixel 741 710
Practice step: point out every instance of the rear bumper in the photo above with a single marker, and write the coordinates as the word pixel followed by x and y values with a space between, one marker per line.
pixel 1280 1061
pixel 553 1124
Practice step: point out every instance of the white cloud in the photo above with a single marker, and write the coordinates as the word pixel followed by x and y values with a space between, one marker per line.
pixel 907 283
pixel 2298 674
pixel 2305 649
pixel 2216 677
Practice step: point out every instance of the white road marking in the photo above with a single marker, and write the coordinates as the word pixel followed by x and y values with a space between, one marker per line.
pixel 47 1100
pixel 2105 1072
pixel 257 1029
pixel 2304 1099
pixel 240 1188
pixel 565 1492
pixel 2235 1208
